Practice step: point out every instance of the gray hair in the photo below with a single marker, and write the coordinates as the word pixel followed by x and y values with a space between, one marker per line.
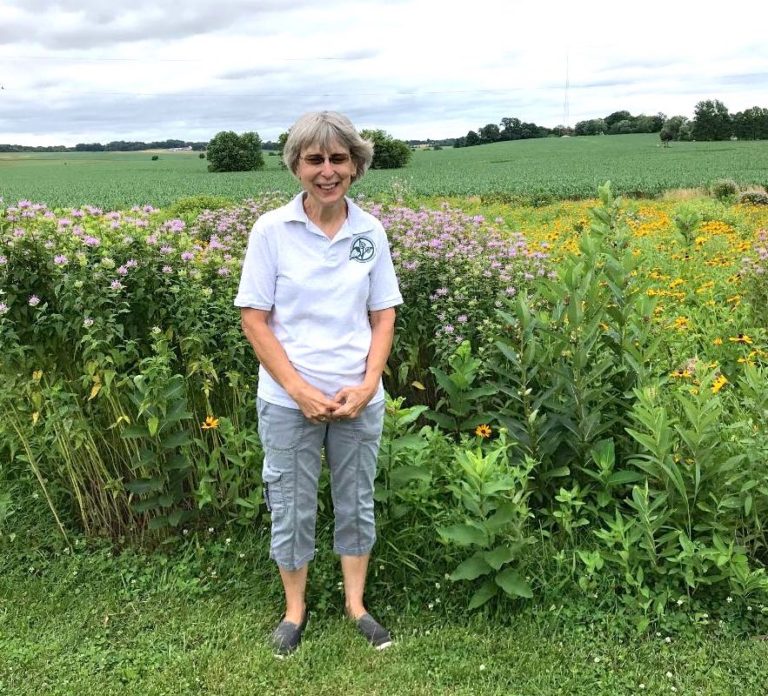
pixel 321 129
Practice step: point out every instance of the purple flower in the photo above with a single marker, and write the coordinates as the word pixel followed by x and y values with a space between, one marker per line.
pixel 462 318
pixel 60 260
pixel 166 249
pixel 131 263
pixel 448 328
pixel 3 260
pixel 122 270
pixel 91 241
pixel 3 308
pixel 33 300
pixel 187 256
pixel 116 285
pixel 174 225
pixel 167 269
pixel 223 271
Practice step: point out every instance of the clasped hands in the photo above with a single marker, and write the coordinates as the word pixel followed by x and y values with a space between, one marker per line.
pixel 346 404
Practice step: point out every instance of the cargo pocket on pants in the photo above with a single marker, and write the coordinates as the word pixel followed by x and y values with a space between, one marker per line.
pixel 273 491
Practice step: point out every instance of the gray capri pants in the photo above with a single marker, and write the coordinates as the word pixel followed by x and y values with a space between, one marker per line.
pixel 292 446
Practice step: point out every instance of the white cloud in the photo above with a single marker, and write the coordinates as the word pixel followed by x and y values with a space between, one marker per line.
pixel 76 70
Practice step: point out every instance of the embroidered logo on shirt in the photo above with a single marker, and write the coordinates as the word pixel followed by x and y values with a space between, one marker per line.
pixel 362 250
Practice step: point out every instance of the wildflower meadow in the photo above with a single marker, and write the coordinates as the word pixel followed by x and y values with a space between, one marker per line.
pixel 577 404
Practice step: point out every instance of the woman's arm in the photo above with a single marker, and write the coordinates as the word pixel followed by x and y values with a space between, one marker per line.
pixel 271 354
pixel 352 400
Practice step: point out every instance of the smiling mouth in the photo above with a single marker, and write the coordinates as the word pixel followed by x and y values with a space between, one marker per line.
pixel 328 187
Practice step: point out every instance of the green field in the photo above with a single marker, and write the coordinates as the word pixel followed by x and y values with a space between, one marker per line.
pixel 525 170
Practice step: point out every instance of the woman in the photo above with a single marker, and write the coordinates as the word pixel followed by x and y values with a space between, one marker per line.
pixel 317 297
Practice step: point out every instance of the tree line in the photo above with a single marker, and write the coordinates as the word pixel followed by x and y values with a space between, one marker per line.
pixel 711 121
pixel 112 146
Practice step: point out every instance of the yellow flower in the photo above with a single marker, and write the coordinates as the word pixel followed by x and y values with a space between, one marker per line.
pixel 210 423
pixel 718 341
pixel 741 338
pixel 483 430
pixel 681 323
pixel 719 383
pixel 680 374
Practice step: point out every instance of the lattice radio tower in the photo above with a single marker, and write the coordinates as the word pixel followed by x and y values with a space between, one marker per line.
pixel 566 105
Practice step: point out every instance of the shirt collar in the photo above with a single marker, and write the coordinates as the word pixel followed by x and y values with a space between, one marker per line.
pixel 357 220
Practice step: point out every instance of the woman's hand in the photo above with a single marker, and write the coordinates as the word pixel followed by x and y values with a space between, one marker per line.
pixel 315 405
pixel 350 401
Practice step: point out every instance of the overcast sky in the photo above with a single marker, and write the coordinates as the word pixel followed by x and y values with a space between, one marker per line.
pixel 92 71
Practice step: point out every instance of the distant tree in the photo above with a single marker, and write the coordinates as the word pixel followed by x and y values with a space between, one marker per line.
pixel 472 138
pixel 711 121
pixel 679 127
pixel 460 142
pixel 230 152
pixel 612 119
pixel 647 124
pixel 388 152
pixel 751 124
pixel 490 133
pixel 510 128
pixel 665 135
pixel 531 130
pixel 594 126
pixel 623 127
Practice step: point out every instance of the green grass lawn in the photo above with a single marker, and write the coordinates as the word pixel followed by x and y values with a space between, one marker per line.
pixel 529 169
pixel 88 624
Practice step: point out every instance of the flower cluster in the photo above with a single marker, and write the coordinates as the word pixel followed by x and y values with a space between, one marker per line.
pixel 455 270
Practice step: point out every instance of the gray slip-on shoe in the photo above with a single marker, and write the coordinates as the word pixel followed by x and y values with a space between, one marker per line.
pixel 378 636
pixel 287 636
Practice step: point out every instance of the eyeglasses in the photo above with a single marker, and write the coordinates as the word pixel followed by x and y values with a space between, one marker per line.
pixel 318 160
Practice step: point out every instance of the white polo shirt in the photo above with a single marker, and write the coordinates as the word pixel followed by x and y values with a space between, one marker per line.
pixel 319 292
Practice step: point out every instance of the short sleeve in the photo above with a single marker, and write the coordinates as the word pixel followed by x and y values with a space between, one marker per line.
pixel 259 273
pixel 385 291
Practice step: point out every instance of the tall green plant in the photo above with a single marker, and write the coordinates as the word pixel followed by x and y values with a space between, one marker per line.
pixel 572 353
pixel 492 494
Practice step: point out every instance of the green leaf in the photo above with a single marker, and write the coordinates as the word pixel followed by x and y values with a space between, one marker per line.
pixel 145 505
pixel 152 425
pixel 472 568
pixel 134 431
pixel 505 513
pixel 145 485
pixel 410 415
pixel 624 476
pixel 176 462
pixel 158 522
pixel 177 439
pixel 463 535
pixel 402 475
pixel 486 591
pixel 510 581
pixel 444 421
pixel 500 555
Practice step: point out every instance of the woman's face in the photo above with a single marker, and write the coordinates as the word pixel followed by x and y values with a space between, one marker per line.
pixel 326 175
